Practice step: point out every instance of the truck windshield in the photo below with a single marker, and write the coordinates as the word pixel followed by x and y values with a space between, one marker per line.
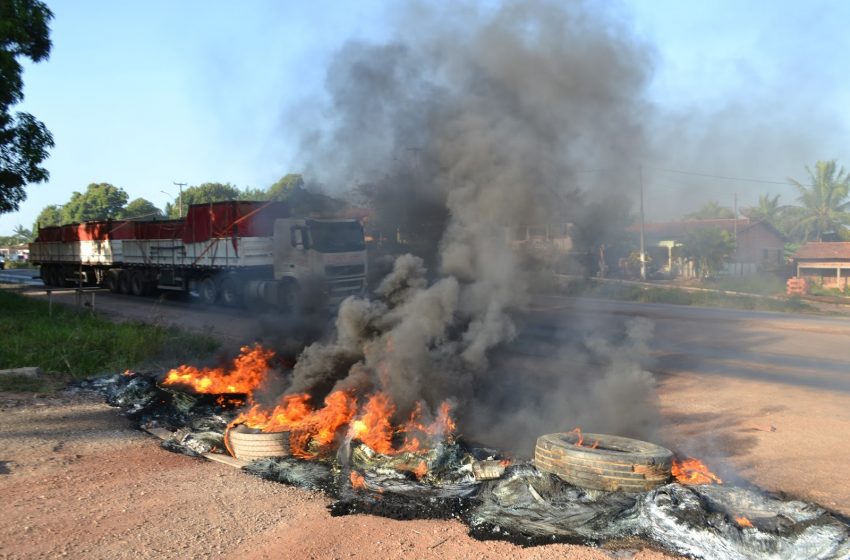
pixel 336 237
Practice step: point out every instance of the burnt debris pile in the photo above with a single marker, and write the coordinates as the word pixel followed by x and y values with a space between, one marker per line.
pixel 496 498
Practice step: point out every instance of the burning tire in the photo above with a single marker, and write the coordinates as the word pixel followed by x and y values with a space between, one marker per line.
pixel 604 462
pixel 250 446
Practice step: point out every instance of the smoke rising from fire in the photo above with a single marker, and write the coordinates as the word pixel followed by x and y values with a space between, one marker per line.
pixel 475 124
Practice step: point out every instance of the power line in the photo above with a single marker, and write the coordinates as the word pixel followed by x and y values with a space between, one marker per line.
pixel 726 177
pixel 697 174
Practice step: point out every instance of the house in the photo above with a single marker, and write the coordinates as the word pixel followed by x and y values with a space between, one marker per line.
pixel 15 252
pixel 759 245
pixel 825 263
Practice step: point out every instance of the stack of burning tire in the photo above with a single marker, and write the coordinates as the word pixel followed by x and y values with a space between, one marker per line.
pixel 247 444
pixel 604 462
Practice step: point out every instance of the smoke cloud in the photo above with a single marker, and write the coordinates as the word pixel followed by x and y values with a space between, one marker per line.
pixel 476 124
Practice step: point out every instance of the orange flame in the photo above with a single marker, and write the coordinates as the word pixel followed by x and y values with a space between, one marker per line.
pixel 420 470
pixel 694 471
pixel 315 431
pixel 580 442
pixel 743 521
pixel 229 401
pixel 373 427
pixel 357 480
pixel 248 371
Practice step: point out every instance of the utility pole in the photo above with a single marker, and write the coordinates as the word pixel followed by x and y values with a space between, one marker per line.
pixel 736 217
pixel 180 198
pixel 735 234
pixel 642 246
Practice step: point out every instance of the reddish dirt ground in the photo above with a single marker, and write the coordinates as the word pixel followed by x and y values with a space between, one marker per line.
pixel 78 481
pixel 763 400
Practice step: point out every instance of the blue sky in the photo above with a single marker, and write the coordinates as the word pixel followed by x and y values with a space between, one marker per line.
pixel 145 94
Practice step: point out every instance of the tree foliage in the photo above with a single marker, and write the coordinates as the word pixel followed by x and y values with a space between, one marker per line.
pixel 768 210
pixel 284 187
pixel 141 208
pixel 49 216
pixel 711 210
pixel 24 141
pixel 101 201
pixel 824 207
pixel 709 249
pixel 203 193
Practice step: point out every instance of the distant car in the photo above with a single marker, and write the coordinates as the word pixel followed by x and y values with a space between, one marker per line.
pixel 2 262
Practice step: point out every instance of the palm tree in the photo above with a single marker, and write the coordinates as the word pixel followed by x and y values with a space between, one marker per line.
pixel 824 202
pixel 22 234
pixel 768 209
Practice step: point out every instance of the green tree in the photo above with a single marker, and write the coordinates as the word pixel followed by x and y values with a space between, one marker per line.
pixel 49 216
pixel 24 141
pixel 100 202
pixel 711 210
pixel 203 193
pixel 286 186
pixel 768 210
pixel 141 208
pixel 824 205
pixel 22 234
pixel 709 249
pixel 254 194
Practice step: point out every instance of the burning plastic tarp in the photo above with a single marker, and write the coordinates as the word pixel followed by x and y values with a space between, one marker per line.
pixel 523 505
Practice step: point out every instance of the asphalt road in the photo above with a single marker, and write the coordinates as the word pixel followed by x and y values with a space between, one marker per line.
pixel 21 276
pixel 762 397
pixel 791 349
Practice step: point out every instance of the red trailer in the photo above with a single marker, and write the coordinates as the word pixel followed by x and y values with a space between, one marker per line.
pixel 223 251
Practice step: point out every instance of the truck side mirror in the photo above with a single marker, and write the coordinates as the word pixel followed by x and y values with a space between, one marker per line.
pixel 296 237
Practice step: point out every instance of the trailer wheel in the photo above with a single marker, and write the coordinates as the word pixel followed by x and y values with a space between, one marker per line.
pixel 110 281
pixel 208 290
pixel 230 292
pixel 58 277
pixel 138 284
pixel 46 274
pixel 124 282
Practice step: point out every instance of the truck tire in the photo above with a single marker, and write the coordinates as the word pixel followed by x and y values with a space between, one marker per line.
pixel 124 282
pixel 208 290
pixel 59 274
pixel 110 281
pixel 229 292
pixel 617 464
pixel 46 274
pixel 138 283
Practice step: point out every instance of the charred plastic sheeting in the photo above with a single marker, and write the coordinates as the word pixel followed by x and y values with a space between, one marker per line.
pixel 604 462
pixel 528 506
pixel 310 475
pixel 524 505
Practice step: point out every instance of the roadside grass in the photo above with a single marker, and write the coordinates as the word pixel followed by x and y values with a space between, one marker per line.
pixel 17 264
pixel 647 294
pixel 74 345
pixel 763 285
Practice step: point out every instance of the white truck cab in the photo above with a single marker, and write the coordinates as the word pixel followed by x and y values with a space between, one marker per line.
pixel 327 251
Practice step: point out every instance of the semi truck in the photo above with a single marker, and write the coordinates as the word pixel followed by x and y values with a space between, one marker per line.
pixel 226 253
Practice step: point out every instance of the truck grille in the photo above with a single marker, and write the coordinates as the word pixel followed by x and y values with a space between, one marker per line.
pixel 339 289
pixel 345 270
